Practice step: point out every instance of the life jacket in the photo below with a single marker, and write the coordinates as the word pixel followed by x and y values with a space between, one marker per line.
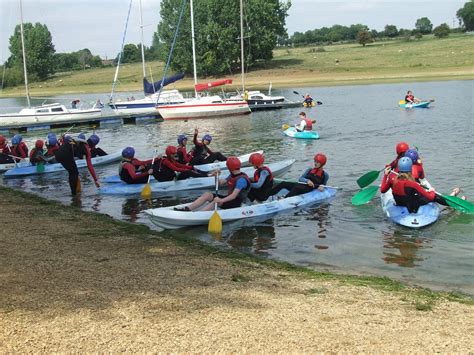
pixel 35 155
pixel 409 98
pixel 124 173
pixel 161 172
pixel 407 193
pixel 51 149
pixel 317 176
pixel 309 124
pixel 233 180
pixel 268 184
pixel 417 172
pixel 200 150
pixel 183 156
pixel 20 150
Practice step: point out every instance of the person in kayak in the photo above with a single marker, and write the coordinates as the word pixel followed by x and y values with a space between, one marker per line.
pixel 262 182
pixel 201 152
pixel 401 149
pixel 410 98
pixel 19 148
pixel 406 191
pixel 165 168
pixel 308 101
pixel 52 145
pixel 305 124
pixel 417 170
pixel 184 157
pixel 37 153
pixel 65 155
pixel 311 179
pixel 92 141
pixel 5 151
pixel 132 170
pixel 238 185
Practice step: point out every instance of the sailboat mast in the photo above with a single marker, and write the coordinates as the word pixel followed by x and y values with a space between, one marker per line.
pixel 242 44
pixel 194 47
pixel 24 56
pixel 141 32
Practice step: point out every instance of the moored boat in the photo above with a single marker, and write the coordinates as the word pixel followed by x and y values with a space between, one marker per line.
pixel 292 132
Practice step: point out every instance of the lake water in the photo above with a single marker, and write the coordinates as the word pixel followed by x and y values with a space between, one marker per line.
pixel 359 128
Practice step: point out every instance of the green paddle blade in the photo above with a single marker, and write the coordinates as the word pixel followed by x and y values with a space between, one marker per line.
pixel 459 204
pixel 368 178
pixel 364 196
pixel 40 168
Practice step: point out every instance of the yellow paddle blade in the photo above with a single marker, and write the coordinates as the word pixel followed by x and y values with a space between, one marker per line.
pixel 146 192
pixel 401 102
pixel 78 185
pixel 285 127
pixel 215 224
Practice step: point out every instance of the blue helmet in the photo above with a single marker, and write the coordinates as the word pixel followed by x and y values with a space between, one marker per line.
pixel 51 139
pixel 93 139
pixel 128 152
pixel 207 137
pixel 404 165
pixel 17 138
pixel 67 138
pixel 181 138
pixel 412 154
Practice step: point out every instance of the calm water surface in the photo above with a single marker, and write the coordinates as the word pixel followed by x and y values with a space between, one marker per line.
pixel 359 128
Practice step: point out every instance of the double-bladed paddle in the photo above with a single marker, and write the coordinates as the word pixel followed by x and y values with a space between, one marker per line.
pixel 368 178
pixel 297 93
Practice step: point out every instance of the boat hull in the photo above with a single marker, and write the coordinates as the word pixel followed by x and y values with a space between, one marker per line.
pixel 198 109
pixel 423 104
pixel 293 133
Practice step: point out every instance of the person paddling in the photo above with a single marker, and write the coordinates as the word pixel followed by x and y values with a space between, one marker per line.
pixel 308 101
pixel 184 157
pixel 410 98
pixel 19 148
pixel 92 141
pixel 65 155
pixel 262 182
pixel 238 185
pixel 5 151
pixel 132 170
pixel 305 124
pixel 312 178
pixel 201 153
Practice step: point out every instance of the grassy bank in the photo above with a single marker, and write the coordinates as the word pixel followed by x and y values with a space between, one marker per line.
pixel 79 281
pixel 342 64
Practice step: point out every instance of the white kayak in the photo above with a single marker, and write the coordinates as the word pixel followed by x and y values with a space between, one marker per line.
pixel 426 214
pixel 168 218
pixel 122 188
pixel 8 166
pixel 244 159
pixel 52 168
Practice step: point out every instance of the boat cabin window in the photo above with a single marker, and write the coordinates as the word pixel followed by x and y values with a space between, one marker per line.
pixel 44 110
pixel 257 97
pixel 57 109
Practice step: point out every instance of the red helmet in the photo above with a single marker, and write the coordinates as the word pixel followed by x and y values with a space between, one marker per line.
pixel 233 163
pixel 321 159
pixel 39 144
pixel 256 159
pixel 171 150
pixel 402 147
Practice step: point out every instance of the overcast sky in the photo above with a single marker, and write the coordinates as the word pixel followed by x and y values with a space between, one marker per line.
pixel 99 24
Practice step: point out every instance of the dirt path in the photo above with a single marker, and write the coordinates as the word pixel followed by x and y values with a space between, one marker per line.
pixel 74 281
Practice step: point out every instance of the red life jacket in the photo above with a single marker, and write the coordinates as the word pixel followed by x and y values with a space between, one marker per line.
pixel 35 154
pixel 316 175
pixel 309 124
pixel 50 149
pixel 417 171
pixel 233 180
pixel 20 150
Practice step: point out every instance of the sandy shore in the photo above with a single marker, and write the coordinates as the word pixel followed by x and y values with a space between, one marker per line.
pixel 78 282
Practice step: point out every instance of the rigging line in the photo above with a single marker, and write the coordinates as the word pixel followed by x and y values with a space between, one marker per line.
pixel 171 50
pixel 121 51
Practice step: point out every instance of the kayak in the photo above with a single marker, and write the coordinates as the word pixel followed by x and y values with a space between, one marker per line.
pixel 244 159
pixel 52 168
pixel 8 166
pixel 292 132
pixel 423 104
pixel 168 218
pixel 426 214
pixel 122 188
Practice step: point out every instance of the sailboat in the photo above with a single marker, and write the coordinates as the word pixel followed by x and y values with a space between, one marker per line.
pixel 44 115
pixel 146 105
pixel 203 106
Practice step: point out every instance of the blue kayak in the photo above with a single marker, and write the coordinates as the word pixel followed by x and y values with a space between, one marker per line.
pixel 423 104
pixel 292 132
pixel 426 214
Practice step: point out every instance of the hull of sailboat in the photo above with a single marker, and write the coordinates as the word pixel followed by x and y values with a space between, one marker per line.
pixel 29 119
pixel 195 109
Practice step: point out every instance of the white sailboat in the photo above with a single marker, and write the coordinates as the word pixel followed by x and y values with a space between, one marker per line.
pixel 203 106
pixel 43 115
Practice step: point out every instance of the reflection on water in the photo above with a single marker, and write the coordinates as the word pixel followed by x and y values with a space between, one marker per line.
pixel 258 239
pixel 408 246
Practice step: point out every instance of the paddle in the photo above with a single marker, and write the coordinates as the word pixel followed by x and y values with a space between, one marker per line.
pixel 297 93
pixel 40 167
pixel 146 192
pixel 303 183
pixel 215 222
pixel 368 178
pixel 458 203
pixel 364 196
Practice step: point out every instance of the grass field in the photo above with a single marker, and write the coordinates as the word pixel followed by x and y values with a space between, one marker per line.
pixel 342 64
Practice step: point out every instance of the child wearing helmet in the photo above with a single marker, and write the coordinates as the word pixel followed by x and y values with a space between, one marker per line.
pixel 308 101
pixel 5 151
pixel 238 185
pixel 202 154
pixel 165 169
pixel 19 148
pixel 417 168
pixel 132 170
pixel 92 141
pixel 401 149
pixel 261 187
pixel 52 145
pixel 184 157
pixel 312 178
pixel 37 153
pixel 406 191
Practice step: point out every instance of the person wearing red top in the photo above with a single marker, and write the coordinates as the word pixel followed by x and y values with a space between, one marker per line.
pixel 134 171
pixel 305 124
pixel 5 151
pixel 410 98
pixel 201 153
pixel 19 148
pixel 401 149
pixel 262 182
pixel 165 169
pixel 184 157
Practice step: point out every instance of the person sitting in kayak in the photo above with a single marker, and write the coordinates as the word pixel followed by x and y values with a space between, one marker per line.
pixel 65 155
pixel 92 141
pixel 165 169
pixel 417 170
pixel 308 101
pixel 37 153
pixel 5 151
pixel 132 170
pixel 305 124
pixel 201 152
pixel 52 145
pixel 184 157
pixel 19 148
pixel 406 191
pixel 238 185
pixel 410 98
pixel 311 179
pixel 262 182
pixel 401 149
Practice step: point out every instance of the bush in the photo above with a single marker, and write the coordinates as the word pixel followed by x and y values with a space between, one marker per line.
pixel 441 31
pixel 13 77
pixel 418 35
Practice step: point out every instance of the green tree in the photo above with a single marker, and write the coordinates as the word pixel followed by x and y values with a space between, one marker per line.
pixel 423 25
pixel 390 31
pixel 364 37
pixel 39 51
pixel 131 53
pixel 441 31
pixel 466 15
